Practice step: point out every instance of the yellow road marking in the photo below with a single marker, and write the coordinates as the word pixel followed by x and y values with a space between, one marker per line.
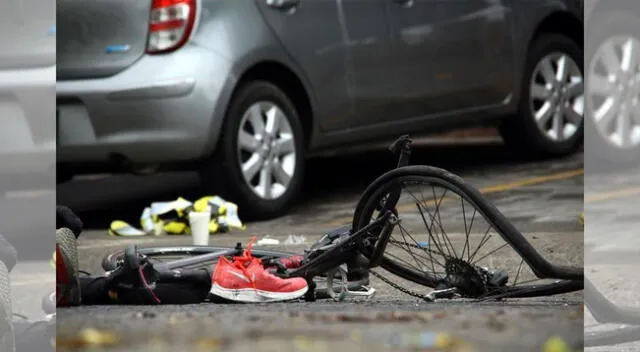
pixel 611 195
pixel 492 189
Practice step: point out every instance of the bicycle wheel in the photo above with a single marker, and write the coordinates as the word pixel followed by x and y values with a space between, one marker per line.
pixel 473 264
pixel 166 254
pixel 176 254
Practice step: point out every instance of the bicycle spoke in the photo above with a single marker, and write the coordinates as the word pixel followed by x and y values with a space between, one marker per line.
pixel 444 235
pixel 467 232
pixel 490 253
pixel 430 227
pixel 409 251
pixel 484 240
pixel 518 272
pixel 414 241
pixel 429 230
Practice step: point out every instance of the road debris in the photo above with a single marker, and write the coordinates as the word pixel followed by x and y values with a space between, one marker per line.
pixel 429 341
pixel 293 240
pixel 171 218
pixel 89 337
pixel 556 344
pixel 267 241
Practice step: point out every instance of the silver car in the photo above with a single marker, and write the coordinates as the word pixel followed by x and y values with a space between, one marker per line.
pixel 245 90
pixel 613 90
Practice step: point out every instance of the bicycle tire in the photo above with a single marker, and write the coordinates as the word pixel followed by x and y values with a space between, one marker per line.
pixel 370 200
pixel 111 260
pixel 626 334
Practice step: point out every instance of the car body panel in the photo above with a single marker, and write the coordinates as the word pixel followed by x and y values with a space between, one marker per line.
pixel 143 119
pixel 27 89
pixel 528 15
pixel 324 56
pixel 450 55
pixel 362 74
pixel 101 37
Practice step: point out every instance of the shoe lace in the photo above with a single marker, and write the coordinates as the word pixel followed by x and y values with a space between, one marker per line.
pixel 246 260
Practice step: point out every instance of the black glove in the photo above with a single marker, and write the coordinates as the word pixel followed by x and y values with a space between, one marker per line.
pixel 65 217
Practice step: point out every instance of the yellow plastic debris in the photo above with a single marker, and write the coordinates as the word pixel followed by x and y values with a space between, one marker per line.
pixel 209 344
pixel 97 337
pixel 556 344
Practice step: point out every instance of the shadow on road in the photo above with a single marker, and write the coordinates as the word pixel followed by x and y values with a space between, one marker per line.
pixel 98 202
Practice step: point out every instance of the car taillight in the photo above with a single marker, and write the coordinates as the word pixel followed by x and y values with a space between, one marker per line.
pixel 170 24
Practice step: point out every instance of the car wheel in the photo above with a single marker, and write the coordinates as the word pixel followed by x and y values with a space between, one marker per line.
pixel 613 91
pixel 550 115
pixel 259 161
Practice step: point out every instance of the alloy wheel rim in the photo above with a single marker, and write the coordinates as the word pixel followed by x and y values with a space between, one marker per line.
pixel 557 96
pixel 266 150
pixel 614 91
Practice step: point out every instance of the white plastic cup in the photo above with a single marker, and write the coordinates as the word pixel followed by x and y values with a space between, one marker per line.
pixel 199 223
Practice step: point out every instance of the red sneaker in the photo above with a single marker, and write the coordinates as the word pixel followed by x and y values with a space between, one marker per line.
pixel 246 280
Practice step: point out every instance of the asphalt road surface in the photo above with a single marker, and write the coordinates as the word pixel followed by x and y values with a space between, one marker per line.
pixel 542 198
pixel 612 253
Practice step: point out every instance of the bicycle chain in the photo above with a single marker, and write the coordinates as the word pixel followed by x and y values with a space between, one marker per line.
pixel 398 287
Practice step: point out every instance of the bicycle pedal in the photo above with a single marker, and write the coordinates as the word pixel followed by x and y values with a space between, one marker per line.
pixel 368 293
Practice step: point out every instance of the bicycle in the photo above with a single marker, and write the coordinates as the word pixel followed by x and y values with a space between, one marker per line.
pixel 369 241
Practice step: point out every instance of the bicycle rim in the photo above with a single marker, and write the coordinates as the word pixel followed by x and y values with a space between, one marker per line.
pixel 446 239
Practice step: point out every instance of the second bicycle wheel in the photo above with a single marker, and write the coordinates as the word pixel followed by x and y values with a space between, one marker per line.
pixel 173 254
pixel 449 237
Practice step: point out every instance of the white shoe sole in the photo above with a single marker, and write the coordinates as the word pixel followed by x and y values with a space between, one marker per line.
pixel 249 295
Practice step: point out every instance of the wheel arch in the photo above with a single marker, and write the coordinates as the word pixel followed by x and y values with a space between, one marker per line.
pixel 548 19
pixel 272 66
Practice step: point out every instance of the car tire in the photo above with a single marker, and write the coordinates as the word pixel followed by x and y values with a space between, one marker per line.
pixel 522 130
pixel 602 153
pixel 224 174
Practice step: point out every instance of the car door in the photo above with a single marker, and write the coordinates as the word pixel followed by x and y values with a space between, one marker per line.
pixel 311 33
pixel 343 48
pixel 366 31
pixel 450 55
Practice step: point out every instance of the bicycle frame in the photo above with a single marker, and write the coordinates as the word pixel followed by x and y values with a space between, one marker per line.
pixel 347 248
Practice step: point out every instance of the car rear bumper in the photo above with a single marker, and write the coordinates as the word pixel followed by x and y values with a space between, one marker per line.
pixel 27 137
pixel 159 110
